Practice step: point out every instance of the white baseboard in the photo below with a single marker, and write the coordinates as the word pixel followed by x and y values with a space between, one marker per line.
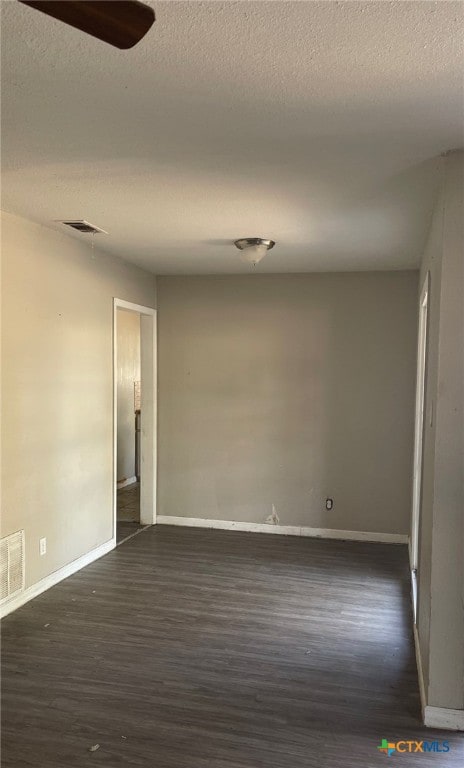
pixel 49 581
pixel 285 530
pixel 449 719
pixel 129 481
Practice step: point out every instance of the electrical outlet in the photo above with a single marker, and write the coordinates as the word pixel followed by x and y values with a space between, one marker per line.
pixel 43 546
pixel 329 504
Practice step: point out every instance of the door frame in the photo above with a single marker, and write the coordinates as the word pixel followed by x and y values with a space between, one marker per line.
pixel 419 422
pixel 148 440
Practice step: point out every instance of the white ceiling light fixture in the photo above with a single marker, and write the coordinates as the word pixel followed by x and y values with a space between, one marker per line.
pixel 253 249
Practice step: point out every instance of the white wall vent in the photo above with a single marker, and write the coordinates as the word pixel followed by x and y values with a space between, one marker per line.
pixel 11 565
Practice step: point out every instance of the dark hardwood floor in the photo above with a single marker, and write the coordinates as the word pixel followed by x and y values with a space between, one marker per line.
pixel 128 502
pixel 128 512
pixel 188 648
pixel 125 529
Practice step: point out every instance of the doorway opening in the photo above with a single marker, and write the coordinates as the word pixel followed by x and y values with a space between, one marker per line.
pixel 134 382
pixel 419 441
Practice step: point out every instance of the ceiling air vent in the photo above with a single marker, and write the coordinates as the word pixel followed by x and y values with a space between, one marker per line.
pixel 84 226
pixel 11 565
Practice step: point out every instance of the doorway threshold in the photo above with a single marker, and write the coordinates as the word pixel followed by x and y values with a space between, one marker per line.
pixel 128 531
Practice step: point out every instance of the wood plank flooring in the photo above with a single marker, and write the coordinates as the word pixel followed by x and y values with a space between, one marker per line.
pixel 125 528
pixel 128 502
pixel 189 648
pixel 128 512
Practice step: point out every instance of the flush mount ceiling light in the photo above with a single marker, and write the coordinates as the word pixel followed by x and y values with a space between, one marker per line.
pixel 253 248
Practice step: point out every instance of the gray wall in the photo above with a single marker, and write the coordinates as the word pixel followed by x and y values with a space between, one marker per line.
pixel 286 389
pixel 57 389
pixel 431 263
pixel 441 556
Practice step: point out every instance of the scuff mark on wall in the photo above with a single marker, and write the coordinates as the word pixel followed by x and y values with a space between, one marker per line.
pixel 273 518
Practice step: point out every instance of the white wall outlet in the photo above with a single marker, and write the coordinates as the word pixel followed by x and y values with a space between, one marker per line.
pixel 43 546
pixel 329 504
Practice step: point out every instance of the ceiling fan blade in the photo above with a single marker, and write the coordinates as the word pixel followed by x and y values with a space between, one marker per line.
pixel 121 23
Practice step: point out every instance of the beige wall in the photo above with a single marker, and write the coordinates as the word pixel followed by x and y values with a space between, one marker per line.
pixel 285 390
pixel 441 556
pixel 128 371
pixel 57 398
pixel 431 263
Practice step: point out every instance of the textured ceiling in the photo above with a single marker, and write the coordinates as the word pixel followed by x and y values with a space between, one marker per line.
pixel 316 124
